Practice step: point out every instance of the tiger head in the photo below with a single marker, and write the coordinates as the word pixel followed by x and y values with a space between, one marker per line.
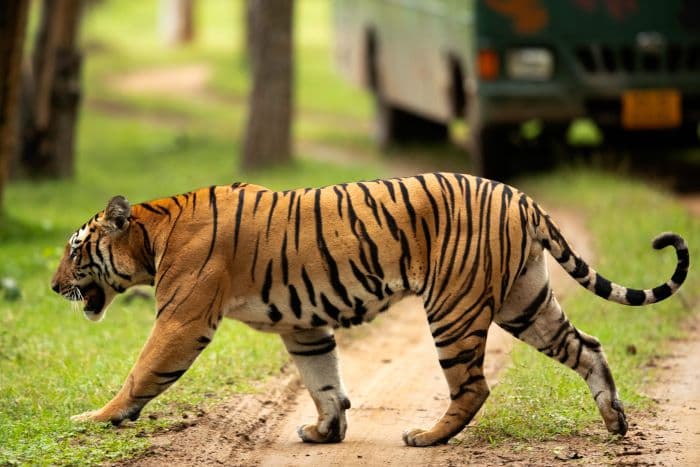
pixel 99 261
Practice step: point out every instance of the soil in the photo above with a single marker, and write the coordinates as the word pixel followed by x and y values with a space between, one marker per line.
pixel 394 382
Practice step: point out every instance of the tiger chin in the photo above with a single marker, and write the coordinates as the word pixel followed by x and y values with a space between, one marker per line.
pixel 301 263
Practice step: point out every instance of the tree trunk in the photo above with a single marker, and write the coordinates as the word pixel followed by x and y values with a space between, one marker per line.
pixel 268 132
pixel 52 92
pixel 13 23
pixel 177 21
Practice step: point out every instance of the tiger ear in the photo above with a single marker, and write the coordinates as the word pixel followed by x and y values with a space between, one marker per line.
pixel 117 214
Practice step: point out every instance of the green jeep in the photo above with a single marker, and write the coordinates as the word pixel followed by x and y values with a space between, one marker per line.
pixel 629 65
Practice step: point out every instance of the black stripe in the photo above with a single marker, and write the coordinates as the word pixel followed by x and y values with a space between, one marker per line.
pixel 265 292
pixel 272 210
pixel 390 188
pixel 391 223
pixel 311 353
pixel 333 272
pixel 297 224
pixel 661 292
pixel 408 205
pixel 167 303
pixel 635 297
pixel 150 208
pixel 680 274
pixel 255 258
pixel 124 276
pixel 215 214
pixel 294 301
pixel 463 357
pixel 293 196
pixel 285 260
pixel 602 288
pixel 309 286
pixel 433 203
pixel 149 254
pixel 239 215
pixel 274 313
pixel 339 201
pixel 370 202
pixel 581 269
pixel 316 321
pixel 331 310
pixel 405 261
pixel 258 196
pixel 466 386
pixel 171 376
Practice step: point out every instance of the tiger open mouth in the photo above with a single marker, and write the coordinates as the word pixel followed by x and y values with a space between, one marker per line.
pixel 93 297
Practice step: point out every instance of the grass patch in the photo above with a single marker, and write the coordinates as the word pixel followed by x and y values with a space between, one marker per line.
pixel 539 398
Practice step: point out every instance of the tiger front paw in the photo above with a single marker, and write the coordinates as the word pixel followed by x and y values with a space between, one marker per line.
pixel 422 438
pixel 90 416
pixel 104 416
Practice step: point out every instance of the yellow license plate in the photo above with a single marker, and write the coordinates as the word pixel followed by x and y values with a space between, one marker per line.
pixel 644 109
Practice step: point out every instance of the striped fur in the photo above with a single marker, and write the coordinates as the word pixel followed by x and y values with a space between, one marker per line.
pixel 303 262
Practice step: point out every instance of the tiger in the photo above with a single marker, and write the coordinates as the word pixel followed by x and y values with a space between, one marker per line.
pixel 302 263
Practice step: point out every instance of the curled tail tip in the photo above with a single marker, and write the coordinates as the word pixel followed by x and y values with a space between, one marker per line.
pixel 667 239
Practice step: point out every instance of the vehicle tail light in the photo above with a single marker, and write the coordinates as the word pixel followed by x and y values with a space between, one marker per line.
pixel 488 64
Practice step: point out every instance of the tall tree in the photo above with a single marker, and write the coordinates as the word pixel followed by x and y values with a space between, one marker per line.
pixel 177 21
pixel 270 51
pixel 52 92
pixel 13 23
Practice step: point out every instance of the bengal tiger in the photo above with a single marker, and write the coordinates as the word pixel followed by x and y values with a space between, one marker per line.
pixel 301 263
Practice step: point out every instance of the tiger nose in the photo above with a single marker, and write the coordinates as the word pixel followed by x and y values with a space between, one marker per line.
pixel 55 287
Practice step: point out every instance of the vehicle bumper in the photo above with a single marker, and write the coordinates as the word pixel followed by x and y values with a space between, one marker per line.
pixel 510 102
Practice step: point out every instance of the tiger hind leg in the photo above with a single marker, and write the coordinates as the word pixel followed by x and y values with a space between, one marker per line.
pixel 532 314
pixel 460 338
pixel 315 356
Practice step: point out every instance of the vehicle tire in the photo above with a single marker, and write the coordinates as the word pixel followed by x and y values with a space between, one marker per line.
pixel 491 148
pixel 553 147
pixel 397 126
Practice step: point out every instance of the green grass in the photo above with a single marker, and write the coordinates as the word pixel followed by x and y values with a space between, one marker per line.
pixel 538 398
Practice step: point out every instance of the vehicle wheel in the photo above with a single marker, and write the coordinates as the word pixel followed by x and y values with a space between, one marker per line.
pixel 491 148
pixel 552 145
pixel 398 126
pixel 688 134
pixel 394 125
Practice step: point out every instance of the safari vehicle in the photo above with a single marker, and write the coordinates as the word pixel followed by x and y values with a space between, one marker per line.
pixel 629 65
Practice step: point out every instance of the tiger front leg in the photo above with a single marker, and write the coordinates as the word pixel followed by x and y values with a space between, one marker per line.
pixel 170 350
pixel 314 354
